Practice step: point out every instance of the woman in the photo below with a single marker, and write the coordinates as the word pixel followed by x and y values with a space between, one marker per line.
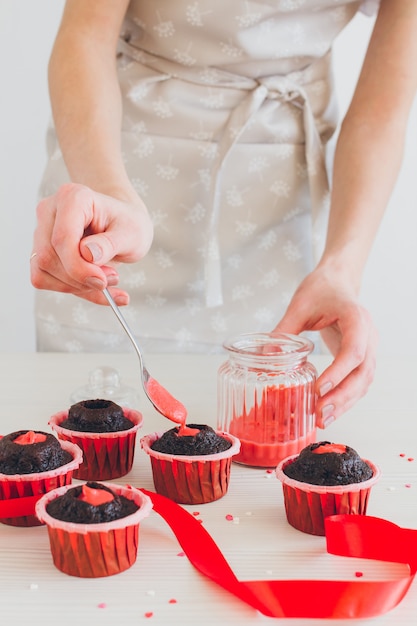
pixel 189 147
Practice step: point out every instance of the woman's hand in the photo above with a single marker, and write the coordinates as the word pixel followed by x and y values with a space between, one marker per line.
pixel 323 302
pixel 80 237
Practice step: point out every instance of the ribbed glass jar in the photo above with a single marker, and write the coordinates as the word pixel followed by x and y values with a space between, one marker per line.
pixel 266 396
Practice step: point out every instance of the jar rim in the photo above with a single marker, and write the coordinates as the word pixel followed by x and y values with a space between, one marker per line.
pixel 266 345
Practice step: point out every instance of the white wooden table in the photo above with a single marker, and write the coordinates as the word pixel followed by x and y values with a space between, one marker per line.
pixel 258 543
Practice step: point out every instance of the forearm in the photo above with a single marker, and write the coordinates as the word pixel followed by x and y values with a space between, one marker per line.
pixel 367 161
pixel 86 105
pixel 370 146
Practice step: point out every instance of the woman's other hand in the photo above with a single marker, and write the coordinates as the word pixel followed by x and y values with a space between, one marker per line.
pixel 325 303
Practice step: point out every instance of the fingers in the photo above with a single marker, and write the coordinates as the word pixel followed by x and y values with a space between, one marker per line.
pixel 350 375
pixel 62 220
pixel 340 399
pixel 80 234
pixel 294 321
pixel 93 294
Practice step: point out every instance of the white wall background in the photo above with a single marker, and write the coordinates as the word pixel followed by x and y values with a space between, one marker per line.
pixel 27 30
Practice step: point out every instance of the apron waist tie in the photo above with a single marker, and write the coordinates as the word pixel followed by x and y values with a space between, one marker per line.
pixel 279 88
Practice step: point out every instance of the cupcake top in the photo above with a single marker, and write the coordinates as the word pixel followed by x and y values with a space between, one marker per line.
pixel 96 416
pixel 91 503
pixel 204 441
pixel 31 452
pixel 330 464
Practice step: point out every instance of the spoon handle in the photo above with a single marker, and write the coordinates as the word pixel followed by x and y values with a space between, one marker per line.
pixel 120 317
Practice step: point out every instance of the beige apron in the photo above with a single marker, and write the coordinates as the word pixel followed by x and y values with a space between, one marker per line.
pixel 227 110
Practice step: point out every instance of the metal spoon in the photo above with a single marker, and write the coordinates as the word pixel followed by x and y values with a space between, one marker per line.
pixel 159 397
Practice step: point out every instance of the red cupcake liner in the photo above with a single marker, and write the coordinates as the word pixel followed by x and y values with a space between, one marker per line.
pixel 307 506
pixel 106 456
pixel 191 479
pixel 95 550
pixel 23 485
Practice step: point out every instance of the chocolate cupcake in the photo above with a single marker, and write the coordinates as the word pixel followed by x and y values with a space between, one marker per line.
pixel 91 503
pixel 204 441
pixel 325 479
pixel 106 433
pixel 33 463
pixel 30 452
pixel 96 416
pixel 327 463
pixel 93 528
pixel 191 464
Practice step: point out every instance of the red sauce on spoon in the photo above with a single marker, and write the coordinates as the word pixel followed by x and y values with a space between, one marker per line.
pixel 171 408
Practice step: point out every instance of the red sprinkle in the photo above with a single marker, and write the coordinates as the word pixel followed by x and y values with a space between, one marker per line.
pixel 173 601
pixel 402 454
pixel 102 605
pixel 269 471
pixel 181 554
pixel 149 614
pixel 407 485
pixel 358 574
pixel 410 458
pixel 229 518
pixel 196 513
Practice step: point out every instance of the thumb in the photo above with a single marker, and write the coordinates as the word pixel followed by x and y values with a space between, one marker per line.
pixel 97 249
pixel 292 322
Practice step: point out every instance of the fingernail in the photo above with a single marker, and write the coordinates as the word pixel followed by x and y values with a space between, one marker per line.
pixel 95 251
pixel 121 300
pixel 112 280
pixel 94 283
pixel 327 411
pixel 325 388
pixel 327 416
pixel 328 420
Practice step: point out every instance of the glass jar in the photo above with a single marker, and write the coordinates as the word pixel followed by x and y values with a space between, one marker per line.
pixel 266 396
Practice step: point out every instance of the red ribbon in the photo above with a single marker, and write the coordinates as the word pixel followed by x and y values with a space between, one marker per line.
pixel 19 507
pixel 359 536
